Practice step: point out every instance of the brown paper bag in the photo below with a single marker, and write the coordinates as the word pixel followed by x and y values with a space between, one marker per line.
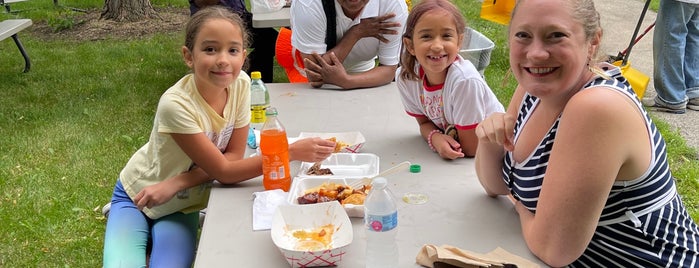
pixel 444 256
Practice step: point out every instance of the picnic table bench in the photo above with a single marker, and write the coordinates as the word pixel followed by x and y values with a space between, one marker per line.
pixel 6 3
pixel 10 28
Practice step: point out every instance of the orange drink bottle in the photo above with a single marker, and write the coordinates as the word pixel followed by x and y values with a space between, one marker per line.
pixel 275 153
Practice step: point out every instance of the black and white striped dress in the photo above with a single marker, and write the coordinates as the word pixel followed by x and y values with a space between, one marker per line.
pixel 643 223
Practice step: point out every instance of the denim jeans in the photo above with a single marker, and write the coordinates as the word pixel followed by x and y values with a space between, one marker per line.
pixel 676 52
pixel 130 235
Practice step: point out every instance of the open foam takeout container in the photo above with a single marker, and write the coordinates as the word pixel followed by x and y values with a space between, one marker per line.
pixel 347 168
pixel 300 185
pixel 288 218
pixel 354 139
pixel 345 165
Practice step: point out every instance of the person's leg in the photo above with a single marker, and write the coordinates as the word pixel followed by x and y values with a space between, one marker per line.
pixel 174 240
pixel 262 56
pixel 669 40
pixel 691 58
pixel 126 236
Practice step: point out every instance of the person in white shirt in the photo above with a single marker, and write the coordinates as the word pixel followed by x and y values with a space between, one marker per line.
pixel 445 93
pixel 366 31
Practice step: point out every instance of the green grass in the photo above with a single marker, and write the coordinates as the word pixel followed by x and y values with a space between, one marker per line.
pixel 69 125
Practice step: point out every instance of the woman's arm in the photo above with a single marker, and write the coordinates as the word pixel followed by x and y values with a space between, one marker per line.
pixel 600 136
pixel 495 136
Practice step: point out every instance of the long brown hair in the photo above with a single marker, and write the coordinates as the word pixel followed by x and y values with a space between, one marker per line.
pixel 407 61
pixel 213 12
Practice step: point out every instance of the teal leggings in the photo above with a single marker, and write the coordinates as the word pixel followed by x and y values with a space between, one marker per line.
pixel 131 235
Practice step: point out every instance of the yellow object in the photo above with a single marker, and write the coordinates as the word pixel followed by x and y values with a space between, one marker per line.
pixel 497 10
pixel 637 80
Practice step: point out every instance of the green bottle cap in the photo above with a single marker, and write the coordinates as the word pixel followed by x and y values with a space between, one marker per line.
pixel 415 168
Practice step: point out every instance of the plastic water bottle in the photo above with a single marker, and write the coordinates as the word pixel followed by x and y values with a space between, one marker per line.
pixel 381 226
pixel 274 147
pixel 259 101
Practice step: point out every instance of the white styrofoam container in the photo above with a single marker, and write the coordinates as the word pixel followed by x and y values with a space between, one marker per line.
pixel 300 185
pixel 293 217
pixel 345 165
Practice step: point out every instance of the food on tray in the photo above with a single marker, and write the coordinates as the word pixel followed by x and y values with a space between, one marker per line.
pixel 330 191
pixel 315 169
pixel 339 145
pixel 314 239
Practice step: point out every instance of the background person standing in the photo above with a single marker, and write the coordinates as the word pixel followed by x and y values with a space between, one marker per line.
pixel 676 56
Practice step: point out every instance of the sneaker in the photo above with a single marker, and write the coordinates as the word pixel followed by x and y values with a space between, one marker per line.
pixel 693 104
pixel 105 209
pixel 202 216
pixel 654 105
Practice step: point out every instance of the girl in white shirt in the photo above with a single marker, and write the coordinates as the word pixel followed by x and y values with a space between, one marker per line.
pixel 445 93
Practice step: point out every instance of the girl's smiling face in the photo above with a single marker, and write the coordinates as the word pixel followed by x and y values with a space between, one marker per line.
pixel 435 44
pixel 549 51
pixel 218 54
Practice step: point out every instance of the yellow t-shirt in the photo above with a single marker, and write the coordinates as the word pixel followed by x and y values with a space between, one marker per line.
pixel 182 109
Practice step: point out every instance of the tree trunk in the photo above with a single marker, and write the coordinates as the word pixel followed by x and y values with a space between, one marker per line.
pixel 128 10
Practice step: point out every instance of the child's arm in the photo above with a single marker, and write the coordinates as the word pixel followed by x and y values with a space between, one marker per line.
pixel 445 146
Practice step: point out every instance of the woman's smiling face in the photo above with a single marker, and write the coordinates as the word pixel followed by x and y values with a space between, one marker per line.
pixel 549 52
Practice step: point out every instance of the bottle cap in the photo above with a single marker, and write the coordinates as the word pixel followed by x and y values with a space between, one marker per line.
pixel 378 183
pixel 415 168
pixel 256 75
pixel 271 111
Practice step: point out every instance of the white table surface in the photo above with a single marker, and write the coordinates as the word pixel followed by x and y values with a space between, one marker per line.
pixel 280 18
pixel 458 212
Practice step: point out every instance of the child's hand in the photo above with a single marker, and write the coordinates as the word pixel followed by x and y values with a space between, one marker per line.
pixel 446 146
pixel 311 149
pixel 154 195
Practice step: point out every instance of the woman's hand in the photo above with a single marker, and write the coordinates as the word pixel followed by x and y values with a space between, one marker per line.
pixel 498 128
pixel 311 149
pixel 155 195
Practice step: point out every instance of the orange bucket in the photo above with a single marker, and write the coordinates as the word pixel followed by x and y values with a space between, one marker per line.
pixel 637 80
pixel 497 10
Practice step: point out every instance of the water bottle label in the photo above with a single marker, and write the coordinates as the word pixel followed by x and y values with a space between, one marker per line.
pixel 257 114
pixel 382 223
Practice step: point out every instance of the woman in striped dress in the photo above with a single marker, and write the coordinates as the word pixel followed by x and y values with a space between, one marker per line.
pixel 583 163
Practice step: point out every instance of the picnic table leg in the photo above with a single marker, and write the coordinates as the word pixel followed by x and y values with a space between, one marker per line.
pixel 27 64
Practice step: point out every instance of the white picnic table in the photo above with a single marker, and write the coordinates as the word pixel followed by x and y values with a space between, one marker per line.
pixel 458 212
pixel 280 18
